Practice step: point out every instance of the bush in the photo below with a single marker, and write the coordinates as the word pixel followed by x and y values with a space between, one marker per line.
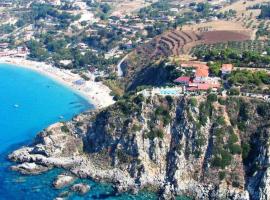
pixel 222 175
pixel 64 129
pixel 212 98
pixel 222 160
pixel 221 101
pixel 139 99
pixel 169 100
pixel 155 133
pixel 234 91
pixel 193 102
pixel 221 120
pixel 241 126
pixel 136 128
pixel 233 138
pixel 235 149
pixel 245 150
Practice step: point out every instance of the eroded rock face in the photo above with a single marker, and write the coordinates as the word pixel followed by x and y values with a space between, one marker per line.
pixel 168 145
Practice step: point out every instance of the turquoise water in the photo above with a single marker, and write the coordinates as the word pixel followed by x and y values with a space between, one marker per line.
pixel 30 102
pixel 169 91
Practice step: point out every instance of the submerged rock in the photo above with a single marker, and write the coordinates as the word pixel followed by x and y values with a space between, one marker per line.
pixel 80 188
pixel 63 180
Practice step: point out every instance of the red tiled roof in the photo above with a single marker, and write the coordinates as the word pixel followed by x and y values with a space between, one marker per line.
pixel 201 66
pixel 203 86
pixel 182 79
pixel 201 72
pixel 192 88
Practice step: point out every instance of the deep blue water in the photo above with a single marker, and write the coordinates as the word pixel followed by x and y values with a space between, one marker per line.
pixel 30 102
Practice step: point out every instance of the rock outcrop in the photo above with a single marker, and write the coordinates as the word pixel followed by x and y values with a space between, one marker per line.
pixel 63 180
pixel 199 147
pixel 80 188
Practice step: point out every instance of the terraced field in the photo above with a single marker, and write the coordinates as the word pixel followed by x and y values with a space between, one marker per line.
pixel 176 42
pixel 173 42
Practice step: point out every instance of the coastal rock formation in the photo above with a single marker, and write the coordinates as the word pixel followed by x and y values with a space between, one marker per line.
pixel 63 180
pixel 205 147
pixel 80 188
pixel 30 168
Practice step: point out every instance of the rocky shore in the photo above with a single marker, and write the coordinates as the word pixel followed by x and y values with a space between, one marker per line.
pixel 122 148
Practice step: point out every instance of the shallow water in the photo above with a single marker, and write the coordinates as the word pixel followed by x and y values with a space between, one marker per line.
pixel 30 102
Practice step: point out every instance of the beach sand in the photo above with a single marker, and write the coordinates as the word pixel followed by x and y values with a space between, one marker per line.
pixel 95 92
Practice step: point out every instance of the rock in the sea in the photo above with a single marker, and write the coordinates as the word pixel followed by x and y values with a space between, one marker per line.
pixel 63 180
pixel 29 168
pixel 80 188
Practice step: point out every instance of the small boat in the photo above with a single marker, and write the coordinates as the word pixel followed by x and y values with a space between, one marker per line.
pixel 16 105
pixel 61 117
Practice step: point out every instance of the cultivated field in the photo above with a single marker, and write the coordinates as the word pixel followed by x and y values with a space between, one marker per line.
pixel 212 37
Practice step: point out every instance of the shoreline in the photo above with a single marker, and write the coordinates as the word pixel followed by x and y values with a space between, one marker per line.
pixel 95 93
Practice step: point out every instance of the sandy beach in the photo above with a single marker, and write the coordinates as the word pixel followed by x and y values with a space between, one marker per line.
pixel 95 92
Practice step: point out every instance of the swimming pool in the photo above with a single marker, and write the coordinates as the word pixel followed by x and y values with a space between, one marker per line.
pixel 169 91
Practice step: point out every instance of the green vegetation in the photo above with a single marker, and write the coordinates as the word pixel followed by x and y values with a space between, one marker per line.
pixel 136 127
pixel 211 98
pixel 233 55
pixel 64 129
pixel 222 160
pixel 248 77
pixel 163 114
pixel 214 68
pixel 155 133
pixel 234 91
pixel 259 46
pixel 193 102
pixel 222 175
pixel 200 141
pixel 265 12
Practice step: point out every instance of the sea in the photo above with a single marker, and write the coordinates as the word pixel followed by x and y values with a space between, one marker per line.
pixel 30 102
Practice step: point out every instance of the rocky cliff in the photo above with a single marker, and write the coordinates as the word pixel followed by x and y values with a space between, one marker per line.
pixel 207 147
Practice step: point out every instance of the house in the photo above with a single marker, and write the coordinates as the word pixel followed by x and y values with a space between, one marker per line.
pixel 226 69
pixel 182 80
pixel 201 75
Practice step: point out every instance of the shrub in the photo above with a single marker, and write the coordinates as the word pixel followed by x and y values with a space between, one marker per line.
pixel 155 133
pixel 245 150
pixel 169 99
pixel 226 158
pixel 193 102
pixel 221 120
pixel 222 160
pixel 136 128
pixel 241 126
pixel 235 149
pixel 139 99
pixel 212 98
pixel 222 101
pixel 232 138
pixel 234 91
pixel 222 175
pixel 64 129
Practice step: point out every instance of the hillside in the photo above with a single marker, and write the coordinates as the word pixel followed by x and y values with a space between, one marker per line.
pixel 199 147
pixel 171 43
